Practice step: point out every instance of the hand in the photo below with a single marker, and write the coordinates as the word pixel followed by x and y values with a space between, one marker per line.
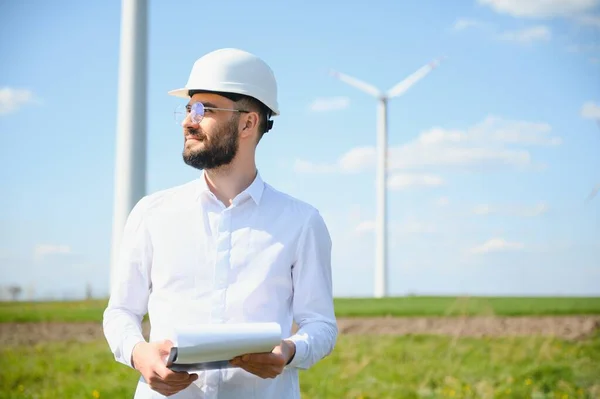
pixel 148 359
pixel 267 365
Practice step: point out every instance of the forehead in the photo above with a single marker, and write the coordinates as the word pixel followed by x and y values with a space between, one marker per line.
pixel 210 98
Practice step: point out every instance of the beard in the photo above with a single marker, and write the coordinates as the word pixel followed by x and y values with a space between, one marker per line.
pixel 219 151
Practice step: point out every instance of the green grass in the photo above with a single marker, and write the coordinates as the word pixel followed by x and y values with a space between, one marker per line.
pixel 474 306
pixel 52 311
pixel 360 367
pixel 358 307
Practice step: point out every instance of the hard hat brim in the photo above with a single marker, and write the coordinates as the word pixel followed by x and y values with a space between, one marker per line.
pixel 183 93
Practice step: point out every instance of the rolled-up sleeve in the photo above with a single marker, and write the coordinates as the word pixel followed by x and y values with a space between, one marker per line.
pixel 128 303
pixel 313 295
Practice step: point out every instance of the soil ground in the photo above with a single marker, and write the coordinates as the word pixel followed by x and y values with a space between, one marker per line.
pixel 566 327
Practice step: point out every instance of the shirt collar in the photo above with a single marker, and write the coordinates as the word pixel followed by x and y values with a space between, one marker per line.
pixel 254 190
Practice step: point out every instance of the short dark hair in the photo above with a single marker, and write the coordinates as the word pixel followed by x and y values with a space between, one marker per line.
pixel 247 103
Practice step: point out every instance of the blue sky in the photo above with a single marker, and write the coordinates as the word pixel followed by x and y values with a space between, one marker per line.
pixel 492 155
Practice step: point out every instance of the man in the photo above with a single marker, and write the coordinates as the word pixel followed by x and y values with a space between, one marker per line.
pixel 225 248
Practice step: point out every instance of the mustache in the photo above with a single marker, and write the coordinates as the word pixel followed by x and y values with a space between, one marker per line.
pixel 197 133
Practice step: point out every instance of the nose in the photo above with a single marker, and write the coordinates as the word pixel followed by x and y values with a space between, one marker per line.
pixel 189 123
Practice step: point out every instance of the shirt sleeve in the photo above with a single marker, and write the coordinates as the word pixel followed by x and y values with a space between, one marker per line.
pixel 128 303
pixel 312 296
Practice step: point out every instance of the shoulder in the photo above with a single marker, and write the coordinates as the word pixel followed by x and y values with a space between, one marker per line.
pixel 167 198
pixel 295 210
pixel 287 203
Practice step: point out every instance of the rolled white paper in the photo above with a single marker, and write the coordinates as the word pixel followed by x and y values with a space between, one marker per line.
pixel 218 342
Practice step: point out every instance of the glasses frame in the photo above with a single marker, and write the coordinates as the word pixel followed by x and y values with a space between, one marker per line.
pixel 196 111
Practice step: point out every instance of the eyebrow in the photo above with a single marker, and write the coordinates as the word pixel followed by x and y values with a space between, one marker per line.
pixel 205 103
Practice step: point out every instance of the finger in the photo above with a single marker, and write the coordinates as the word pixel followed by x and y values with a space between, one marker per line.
pixel 255 371
pixel 259 358
pixel 165 388
pixel 171 376
pixel 156 382
pixel 165 347
pixel 251 368
pixel 176 379
pixel 263 372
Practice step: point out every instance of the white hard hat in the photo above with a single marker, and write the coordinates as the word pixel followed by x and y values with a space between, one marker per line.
pixel 231 70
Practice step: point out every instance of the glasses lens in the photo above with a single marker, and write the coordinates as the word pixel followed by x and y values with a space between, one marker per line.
pixel 197 112
pixel 180 114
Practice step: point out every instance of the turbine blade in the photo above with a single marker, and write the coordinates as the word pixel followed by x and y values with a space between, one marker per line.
pixel 593 193
pixel 359 84
pixel 419 74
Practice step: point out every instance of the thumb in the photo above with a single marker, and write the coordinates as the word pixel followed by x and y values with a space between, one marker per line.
pixel 165 347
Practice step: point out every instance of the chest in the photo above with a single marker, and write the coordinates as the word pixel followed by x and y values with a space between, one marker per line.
pixel 198 251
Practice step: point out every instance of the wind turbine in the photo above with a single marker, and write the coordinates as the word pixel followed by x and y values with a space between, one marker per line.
pixel 594 192
pixel 381 267
pixel 130 163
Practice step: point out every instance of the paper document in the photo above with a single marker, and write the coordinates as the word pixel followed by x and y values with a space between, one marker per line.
pixel 211 346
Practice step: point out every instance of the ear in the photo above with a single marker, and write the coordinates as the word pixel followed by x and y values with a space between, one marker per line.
pixel 248 124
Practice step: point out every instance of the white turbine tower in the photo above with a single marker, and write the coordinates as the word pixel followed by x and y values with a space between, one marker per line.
pixel 130 163
pixel 381 267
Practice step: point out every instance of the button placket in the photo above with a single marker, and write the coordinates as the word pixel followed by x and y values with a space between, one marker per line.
pixel 221 266
pixel 221 260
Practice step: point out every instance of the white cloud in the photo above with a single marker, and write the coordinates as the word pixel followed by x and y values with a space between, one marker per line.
pixel 536 210
pixel 329 104
pixel 583 48
pixel 355 159
pixel 540 8
pixel 590 110
pixel 13 99
pixel 416 227
pixel 42 250
pixel 465 23
pixel 407 227
pixel 442 201
pixel 302 166
pixel 406 180
pixel 527 35
pixel 483 209
pixel 512 210
pixel 487 143
pixel 589 20
pixel 514 132
pixel 496 245
pixel 421 156
pixel 366 226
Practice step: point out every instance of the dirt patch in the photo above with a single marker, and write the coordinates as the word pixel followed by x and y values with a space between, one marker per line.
pixel 567 327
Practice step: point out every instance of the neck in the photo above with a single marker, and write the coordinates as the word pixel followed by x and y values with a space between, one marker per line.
pixel 227 181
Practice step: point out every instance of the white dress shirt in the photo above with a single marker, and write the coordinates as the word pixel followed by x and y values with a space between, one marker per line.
pixel 186 260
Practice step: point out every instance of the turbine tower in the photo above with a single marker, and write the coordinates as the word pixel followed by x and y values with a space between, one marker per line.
pixel 130 163
pixel 381 260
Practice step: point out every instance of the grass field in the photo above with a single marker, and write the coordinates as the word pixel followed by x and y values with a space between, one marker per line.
pixel 362 366
pixel 345 307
